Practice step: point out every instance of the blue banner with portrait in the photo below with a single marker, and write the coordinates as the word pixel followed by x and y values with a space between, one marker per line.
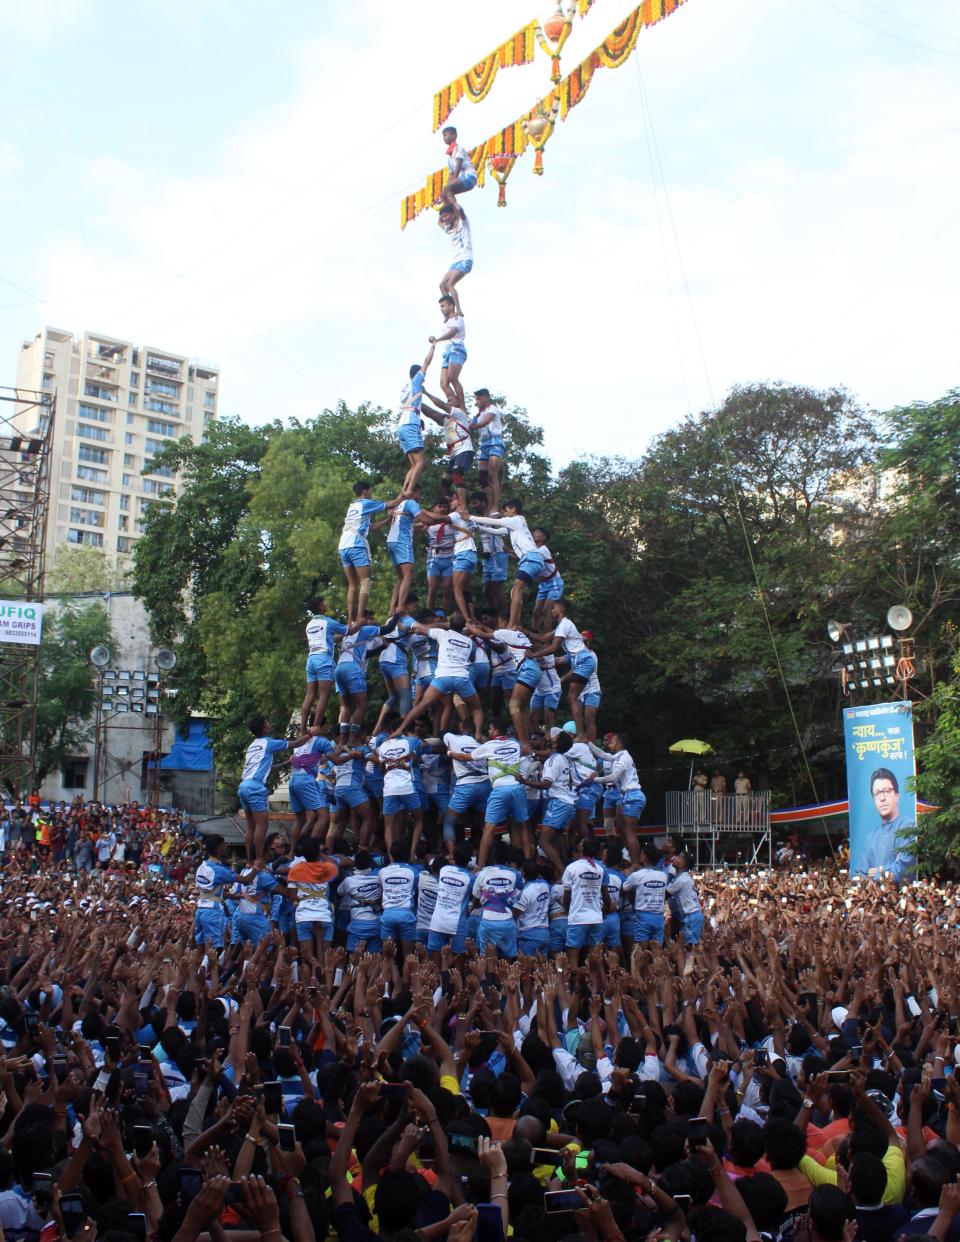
pixel 880 786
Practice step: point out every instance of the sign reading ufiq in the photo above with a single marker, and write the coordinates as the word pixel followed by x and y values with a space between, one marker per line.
pixel 20 622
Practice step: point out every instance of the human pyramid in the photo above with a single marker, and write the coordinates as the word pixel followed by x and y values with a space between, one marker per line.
pixel 441 757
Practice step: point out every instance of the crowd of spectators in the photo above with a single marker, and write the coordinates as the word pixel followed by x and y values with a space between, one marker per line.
pixel 790 1076
pixel 87 836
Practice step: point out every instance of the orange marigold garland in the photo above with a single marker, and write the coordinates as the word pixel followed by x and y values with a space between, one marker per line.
pixel 501 150
pixel 475 84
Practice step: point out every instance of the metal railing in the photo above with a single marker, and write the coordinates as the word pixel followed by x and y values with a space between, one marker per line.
pixel 722 829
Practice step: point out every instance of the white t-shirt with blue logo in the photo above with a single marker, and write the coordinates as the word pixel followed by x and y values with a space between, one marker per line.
pixel 454 886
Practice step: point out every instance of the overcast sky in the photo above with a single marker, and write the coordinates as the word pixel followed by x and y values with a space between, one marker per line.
pixel 222 178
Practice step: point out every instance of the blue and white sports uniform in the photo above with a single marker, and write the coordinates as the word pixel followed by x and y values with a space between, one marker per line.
pixel 350 789
pixel 393 659
pixel 472 788
pixel 491 433
pixel 435 771
pixel 252 790
pixel 683 891
pixel 459 230
pixel 305 793
pixel 354 546
pixel 526 671
pixel 495 888
pixel 494 555
pixel 623 774
pixel 448 921
pixel 282 909
pixel 584 766
pixel 508 799
pixel 400 533
pixel 453 661
pixel 351 674
pixel 533 925
pixel 424 652
pixel 398 882
pixel 399 790
pixel 372 772
pixel 558 919
pixel 254 900
pixel 464 545
pixel 427 886
pixel 362 890
pixel 454 347
pixel 547 693
pixel 551 587
pixel 613 882
pixel 321 634
pixel 561 796
pixel 503 669
pixel 531 567
pixel 532 770
pixel 461 168
pixel 648 886
pixel 440 540
pixel 409 427
pixel 583 881
pixel 209 922
pixel 591 694
pixel 479 665
pixel 583 661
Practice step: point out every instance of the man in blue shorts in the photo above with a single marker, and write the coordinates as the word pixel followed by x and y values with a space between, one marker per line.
pixel 398 881
pixel 440 540
pixel 400 548
pixel 354 547
pixel 507 804
pixel 531 567
pixel 308 801
pixel 449 919
pixel 471 788
pixel 409 426
pixel 551 585
pixel 462 176
pixel 453 335
pixel 322 632
pixel 488 420
pixel 495 888
pixel 453 220
pixel 494 557
pixel 583 662
pixel 454 648
pixel 213 876
pixel 252 790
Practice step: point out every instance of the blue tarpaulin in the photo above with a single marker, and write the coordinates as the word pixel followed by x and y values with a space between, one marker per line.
pixel 191 751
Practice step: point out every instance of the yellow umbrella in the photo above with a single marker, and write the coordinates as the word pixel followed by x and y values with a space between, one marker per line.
pixel 691 746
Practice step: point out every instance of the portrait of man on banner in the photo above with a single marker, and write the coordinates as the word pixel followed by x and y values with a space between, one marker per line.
pixel 883 807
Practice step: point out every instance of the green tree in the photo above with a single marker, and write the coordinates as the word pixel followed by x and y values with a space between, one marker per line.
pixel 226 571
pixel 78 568
pixel 938 780
pixel 67 692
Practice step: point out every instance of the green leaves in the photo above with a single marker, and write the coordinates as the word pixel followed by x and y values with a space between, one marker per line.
pixel 67 686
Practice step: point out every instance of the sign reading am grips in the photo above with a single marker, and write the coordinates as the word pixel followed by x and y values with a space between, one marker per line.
pixel 20 622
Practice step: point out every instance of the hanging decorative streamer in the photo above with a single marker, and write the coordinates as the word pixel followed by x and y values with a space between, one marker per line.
pixel 537 126
pixel 475 84
pixel 519 49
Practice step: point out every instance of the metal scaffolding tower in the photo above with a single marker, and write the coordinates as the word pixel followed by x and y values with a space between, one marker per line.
pixel 26 424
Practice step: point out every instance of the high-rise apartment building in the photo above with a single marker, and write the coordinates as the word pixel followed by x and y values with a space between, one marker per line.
pixel 117 405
